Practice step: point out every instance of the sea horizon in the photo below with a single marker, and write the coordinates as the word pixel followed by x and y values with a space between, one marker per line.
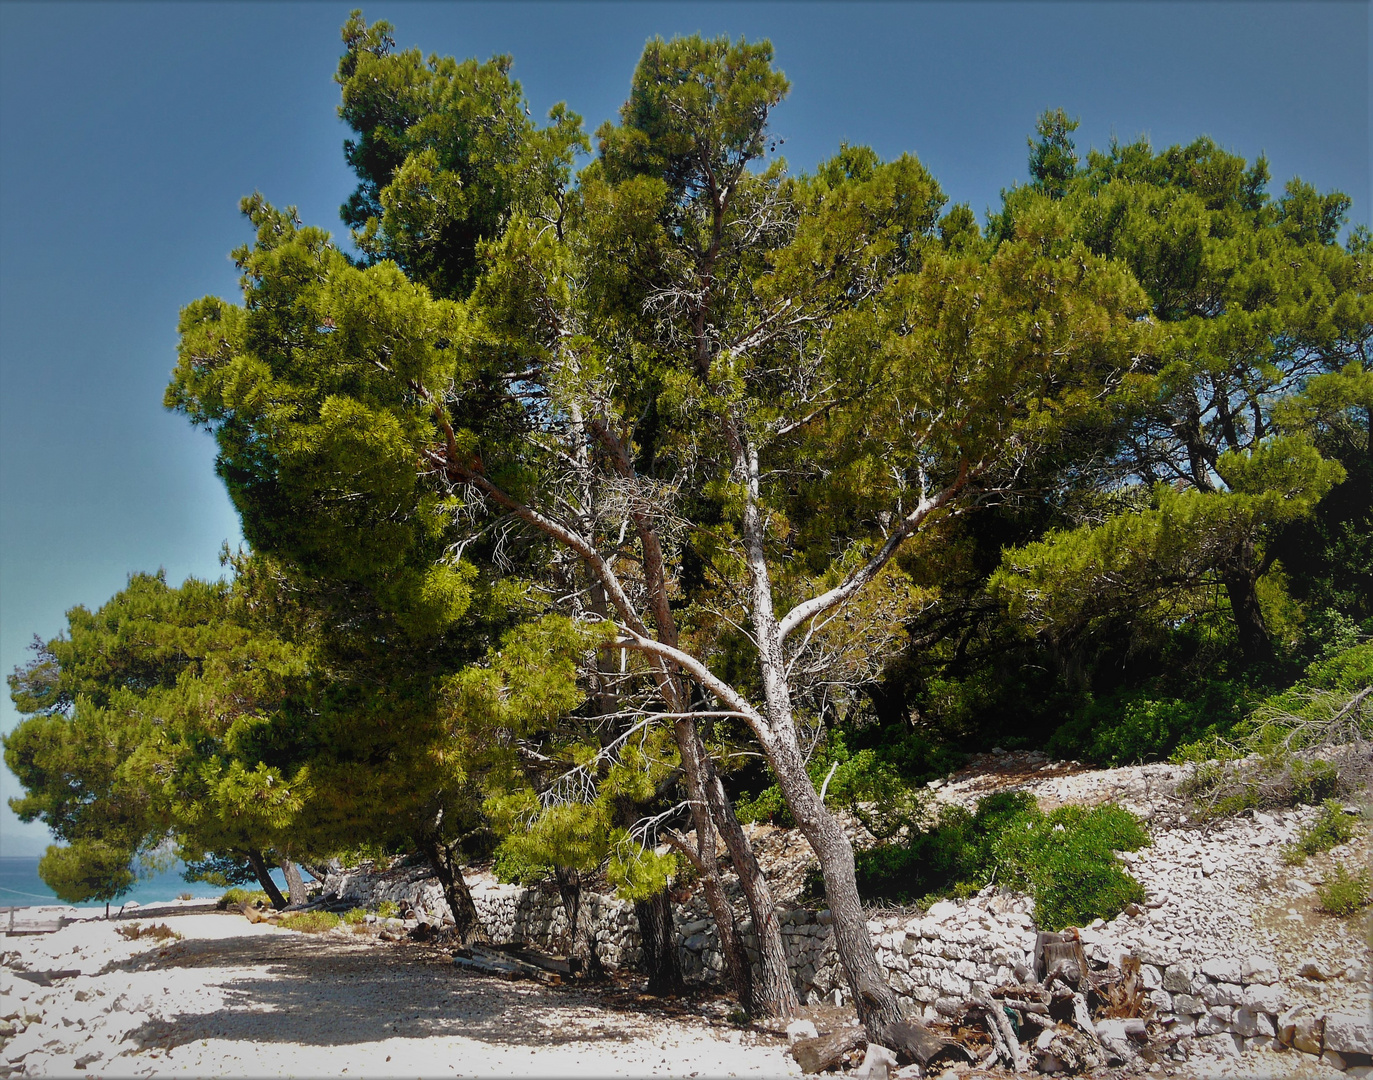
pixel 20 886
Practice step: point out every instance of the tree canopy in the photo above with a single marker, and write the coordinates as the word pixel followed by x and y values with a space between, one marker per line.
pixel 568 488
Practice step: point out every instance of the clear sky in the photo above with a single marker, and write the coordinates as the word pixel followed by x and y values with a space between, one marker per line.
pixel 128 133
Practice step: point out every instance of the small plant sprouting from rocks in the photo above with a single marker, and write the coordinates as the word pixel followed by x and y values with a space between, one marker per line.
pixel 1345 894
pixel 387 909
pixel 1330 829
pixel 186 896
pixel 355 916
pixel 311 922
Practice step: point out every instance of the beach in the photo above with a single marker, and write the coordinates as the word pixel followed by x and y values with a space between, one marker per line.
pixel 232 998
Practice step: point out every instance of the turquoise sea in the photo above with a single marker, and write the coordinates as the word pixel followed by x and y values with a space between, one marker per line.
pixel 20 885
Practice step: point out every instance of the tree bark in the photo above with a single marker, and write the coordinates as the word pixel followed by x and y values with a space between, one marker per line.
pixel 774 993
pixel 465 919
pixel 295 884
pixel 694 757
pixel 876 1002
pixel 264 878
pixel 581 946
pixel 660 961
pixel 1241 586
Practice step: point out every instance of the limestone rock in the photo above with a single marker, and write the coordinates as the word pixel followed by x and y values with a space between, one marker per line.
pixel 1219 1046
pixel 1269 999
pixel 801 1029
pixel 1177 978
pixel 1249 1023
pixel 1222 971
pixel 1318 970
pixel 1349 1031
pixel 1258 969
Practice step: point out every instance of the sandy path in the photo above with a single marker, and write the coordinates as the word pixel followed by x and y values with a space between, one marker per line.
pixel 234 999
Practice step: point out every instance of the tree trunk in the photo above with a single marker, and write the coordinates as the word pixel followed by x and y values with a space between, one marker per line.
pixel 264 878
pixel 1240 583
pixel 295 884
pixel 876 1002
pixel 774 993
pixel 581 946
pixel 466 921
pixel 660 961
pixel 694 765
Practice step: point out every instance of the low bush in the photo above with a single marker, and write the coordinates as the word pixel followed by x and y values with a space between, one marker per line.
pixel 238 897
pixel 310 922
pixel 160 932
pixel 1345 894
pixel 355 916
pixel 388 909
pixel 1065 859
pixel 512 865
pixel 1331 828
pixel 1303 746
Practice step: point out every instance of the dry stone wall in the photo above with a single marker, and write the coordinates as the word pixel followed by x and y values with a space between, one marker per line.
pixel 1221 979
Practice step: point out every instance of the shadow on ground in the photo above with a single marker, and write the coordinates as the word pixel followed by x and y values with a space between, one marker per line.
pixel 297 988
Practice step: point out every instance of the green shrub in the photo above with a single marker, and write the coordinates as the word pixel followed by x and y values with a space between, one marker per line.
pixel 1331 828
pixel 387 909
pixel 1146 724
pixel 236 897
pixel 1064 859
pixel 877 788
pixel 310 922
pixel 1270 758
pixel 513 866
pixel 1346 894
pixel 1315 781
pixel 767 806
pixel 355 916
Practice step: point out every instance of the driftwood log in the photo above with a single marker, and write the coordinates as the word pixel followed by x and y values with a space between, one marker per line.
pixel 826 1051
pixel 486 961
pixel 913 1041
pixel 1004 1037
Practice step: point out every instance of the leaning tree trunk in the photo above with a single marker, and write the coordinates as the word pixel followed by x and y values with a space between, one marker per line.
pixel 876 1002
pixel 656 937
pixel 774 994
pixel 465 919
pixel 878 1006
pixel 295 884
pixel 581 944
pixel 264 878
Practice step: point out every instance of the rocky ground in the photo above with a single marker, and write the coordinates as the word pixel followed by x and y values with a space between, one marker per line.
pixel 1246 976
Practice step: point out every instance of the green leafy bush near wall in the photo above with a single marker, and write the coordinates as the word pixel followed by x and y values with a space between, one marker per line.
pixel 1065 859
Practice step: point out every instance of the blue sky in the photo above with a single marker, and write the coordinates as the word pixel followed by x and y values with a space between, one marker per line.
pixel 128 133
